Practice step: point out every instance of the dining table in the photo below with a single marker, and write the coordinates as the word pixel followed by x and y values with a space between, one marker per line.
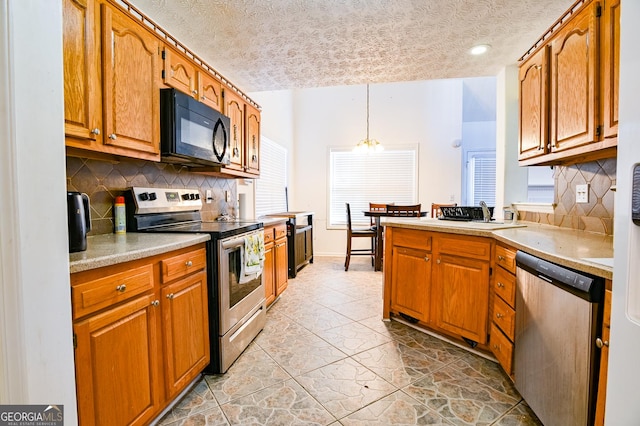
pixel 376 215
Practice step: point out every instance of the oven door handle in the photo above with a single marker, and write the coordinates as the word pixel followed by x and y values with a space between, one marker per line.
pixel 232 243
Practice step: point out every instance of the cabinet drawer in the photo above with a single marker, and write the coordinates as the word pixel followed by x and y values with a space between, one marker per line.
pixel 504 317
pixel 281 230
pixel 183 264
pixel 502 348
pixel 506 258
pixel 411 238
pixel 269 234
pixel 91 296
pixel 465 246
pixel 504 285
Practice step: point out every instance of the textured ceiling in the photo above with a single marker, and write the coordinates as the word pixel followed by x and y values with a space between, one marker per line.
pixel 284 44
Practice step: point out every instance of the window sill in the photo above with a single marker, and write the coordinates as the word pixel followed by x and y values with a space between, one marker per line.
pixel 535 207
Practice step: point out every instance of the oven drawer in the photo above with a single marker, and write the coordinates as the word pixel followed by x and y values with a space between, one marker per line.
pixel 183 264
pixel 91 296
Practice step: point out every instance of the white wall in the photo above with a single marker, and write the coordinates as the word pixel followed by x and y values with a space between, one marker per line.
pixel 36 335
pixel 511 180
pixel 428 113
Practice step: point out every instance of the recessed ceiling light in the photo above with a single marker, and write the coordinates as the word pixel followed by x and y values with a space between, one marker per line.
pixel 479 49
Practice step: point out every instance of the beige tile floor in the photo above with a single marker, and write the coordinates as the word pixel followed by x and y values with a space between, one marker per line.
pixel 325 357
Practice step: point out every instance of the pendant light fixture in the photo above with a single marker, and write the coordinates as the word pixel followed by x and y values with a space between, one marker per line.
pixel 368 145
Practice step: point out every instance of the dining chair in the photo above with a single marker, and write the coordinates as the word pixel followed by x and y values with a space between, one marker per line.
pixel 436 212
pixel 376 207
pixel 358 233
pixel 412 210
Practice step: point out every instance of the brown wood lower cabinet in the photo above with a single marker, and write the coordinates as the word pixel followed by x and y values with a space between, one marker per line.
pixel 503 308
pixel 439 280
pixel 604 357
pixel 276 262
pixel 143 339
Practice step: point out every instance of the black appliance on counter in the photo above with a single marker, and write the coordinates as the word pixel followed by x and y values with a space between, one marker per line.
pixel 192 133
pixel 237 309
pixel 78 220
pixel 463 213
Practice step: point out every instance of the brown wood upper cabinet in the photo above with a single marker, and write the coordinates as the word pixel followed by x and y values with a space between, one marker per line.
pixel 568 89
pixel 111 81
pixel 181 73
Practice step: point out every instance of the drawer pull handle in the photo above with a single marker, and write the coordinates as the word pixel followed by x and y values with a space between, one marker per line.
pixel 121 288
pixel 500 258
pixel 500 285
pixel 155 303
pixel 204 98
pixel 438 261
pixel 498 315
pixel 113 136
pixel 496 347
pixel 189 263
pixel 170 296
pixel 600 343
pixel 95 131
pixel 426 258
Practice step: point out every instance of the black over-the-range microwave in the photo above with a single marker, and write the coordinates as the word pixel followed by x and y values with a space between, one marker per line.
pixel 192 133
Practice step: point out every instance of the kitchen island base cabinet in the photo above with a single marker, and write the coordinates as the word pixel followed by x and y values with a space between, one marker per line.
pixel 426 283
pixel 140 334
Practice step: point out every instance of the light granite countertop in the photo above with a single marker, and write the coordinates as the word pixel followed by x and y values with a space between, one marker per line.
pixel 110 249
pixel 585 251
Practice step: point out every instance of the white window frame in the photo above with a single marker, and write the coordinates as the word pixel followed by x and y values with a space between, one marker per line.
pixel 470 180
pixel 379 177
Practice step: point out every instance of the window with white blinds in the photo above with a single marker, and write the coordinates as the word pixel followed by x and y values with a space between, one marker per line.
pixel 271 186
pixel 390 176
pixel 482 177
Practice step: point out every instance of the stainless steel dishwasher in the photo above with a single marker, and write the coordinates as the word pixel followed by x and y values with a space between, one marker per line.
pixel 558 312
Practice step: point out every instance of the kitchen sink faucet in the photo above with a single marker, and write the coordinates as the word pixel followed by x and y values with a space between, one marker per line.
pixel 486 215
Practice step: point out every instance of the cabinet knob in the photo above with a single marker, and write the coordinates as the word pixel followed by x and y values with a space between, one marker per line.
pixel 155 303
pixel 170 296
pixel 426 258
pixel 204 98
pixel 121 288
pixel 188 263
pixel 496 347
pixel 500 285
pixel 195 92
pixel 600 343
pixel 438 261
pixel 113 136
pixel 500 258
pixel 498 315
pixel 95 131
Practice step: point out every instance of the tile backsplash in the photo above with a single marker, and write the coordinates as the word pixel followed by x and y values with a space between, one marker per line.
pixel 102 181
pixel 594 216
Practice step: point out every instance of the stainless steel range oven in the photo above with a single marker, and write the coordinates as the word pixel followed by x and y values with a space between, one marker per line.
pixel 237 310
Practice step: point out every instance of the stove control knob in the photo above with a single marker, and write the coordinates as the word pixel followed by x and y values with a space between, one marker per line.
pixel 152 196
pixel 144 196
pixel 185 196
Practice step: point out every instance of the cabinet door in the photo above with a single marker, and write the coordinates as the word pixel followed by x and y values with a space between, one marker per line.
pixel 117 369
pixel 210 90
pixel 460 302
pixel 253 140
pixel 574 59
pixel 234 109
pixel 179 72
pixel 82 100
pixel 268 272
pixel 308 244
pixel 131 89
pixel 281 266
pixel 411 282
pixel 185 330
pixel 610 61
pixel 534 86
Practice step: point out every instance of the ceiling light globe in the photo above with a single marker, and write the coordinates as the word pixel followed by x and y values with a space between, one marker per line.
pixel 479 49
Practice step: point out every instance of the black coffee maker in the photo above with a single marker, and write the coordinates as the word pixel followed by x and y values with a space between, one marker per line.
pixel 78 220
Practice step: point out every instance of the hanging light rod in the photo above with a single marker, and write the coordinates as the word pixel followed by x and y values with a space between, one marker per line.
pixel 368 145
